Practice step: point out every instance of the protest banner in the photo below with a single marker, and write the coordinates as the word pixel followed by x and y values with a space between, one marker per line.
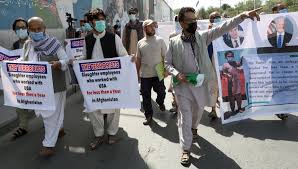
pixel 109 83
pixel 8 55
pixel 74 49
pixel 28 85
pixel 257 68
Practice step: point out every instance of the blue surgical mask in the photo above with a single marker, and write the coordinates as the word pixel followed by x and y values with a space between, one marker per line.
pixel 37 36
pixel 83 28
pixel 283 11
pixel 100 26
pixel 87 27
pixel 217 20
pixel 132 17
pixel 22 33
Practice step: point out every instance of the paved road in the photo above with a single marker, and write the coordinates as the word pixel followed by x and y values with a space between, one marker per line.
pixel 262 143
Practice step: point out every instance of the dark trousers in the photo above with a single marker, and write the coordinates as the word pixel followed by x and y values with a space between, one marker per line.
pixel 158 86
pixel 237 98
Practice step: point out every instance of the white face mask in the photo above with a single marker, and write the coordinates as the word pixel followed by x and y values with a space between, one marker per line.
pixel 230 59
pixel 132 17
pixel 22 33
pixel 218 22
pixel 178 28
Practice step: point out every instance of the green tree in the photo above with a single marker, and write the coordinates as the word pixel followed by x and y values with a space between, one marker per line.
pixel 225 7
pixel 176 11
pixel 202 14
pixel 244 6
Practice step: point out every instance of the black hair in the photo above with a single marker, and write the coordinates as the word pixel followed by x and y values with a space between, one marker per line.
pixel 228 52
pixel 115 26
pixel 95 13
pixel 133 10
pixel 86 14
pixel 16 21
pixel 278 7
pixel 176 18
pixel 184 10
pixel 213 16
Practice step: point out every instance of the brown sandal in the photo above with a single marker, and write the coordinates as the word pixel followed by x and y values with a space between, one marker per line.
pixel 94 144
pixel 47 151
pixel 112 139
pixel 185 158
pixel 61 133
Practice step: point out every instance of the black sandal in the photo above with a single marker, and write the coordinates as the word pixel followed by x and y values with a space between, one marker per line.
pixel 94 144
pixel 212 115
pixel 19 133
pixel 282 116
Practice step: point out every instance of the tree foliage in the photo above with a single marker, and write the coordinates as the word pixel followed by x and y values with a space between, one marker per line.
pixel 203 13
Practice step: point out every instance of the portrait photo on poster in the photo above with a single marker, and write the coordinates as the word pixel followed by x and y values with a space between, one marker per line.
pixel 234 38
pixel 280 32
pixel 232 82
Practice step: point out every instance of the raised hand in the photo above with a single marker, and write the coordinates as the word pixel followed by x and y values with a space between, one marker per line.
pixel 251 14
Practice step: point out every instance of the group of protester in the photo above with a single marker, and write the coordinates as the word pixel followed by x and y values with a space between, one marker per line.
pixel 188 53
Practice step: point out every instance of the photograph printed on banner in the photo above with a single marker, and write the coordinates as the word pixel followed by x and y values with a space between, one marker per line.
pixel 234 38
pixel 280 32
pixel 232 82
pixel 257 73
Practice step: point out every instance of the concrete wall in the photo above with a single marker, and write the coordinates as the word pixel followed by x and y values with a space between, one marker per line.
pixel 53 13
pixel 162 11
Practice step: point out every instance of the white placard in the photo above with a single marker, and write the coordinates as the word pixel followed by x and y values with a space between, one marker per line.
pixel 109 83
pixel 8 55
pixel 28 85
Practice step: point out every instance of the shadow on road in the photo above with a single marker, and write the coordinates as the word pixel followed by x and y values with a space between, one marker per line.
pixel 210 157
pixel 72 150
pixel 170 131
pixel 258 129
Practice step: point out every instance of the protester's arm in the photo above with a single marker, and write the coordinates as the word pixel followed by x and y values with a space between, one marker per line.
pixel 63 60
pixel 25 49
pixel 138 62
pixel 169 61
pixel 121 51
pixel 124 37
pixel 163 49
pixel 218 31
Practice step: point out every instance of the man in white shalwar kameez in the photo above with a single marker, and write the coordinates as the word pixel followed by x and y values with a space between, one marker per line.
pixel 100 45
pixel 41 47
pixel 187 54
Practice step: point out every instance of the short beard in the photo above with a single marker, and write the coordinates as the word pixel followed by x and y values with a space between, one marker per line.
pixel 150 34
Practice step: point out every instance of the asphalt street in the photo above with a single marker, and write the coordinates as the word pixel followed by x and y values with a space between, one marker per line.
pixel 259 143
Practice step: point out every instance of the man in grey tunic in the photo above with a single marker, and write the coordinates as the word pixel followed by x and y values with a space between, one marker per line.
pixel 42 47
pixel 188 54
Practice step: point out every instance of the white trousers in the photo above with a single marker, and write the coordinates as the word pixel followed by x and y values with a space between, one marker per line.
pixel 191 102
pixel 97 121
pixel 53 120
